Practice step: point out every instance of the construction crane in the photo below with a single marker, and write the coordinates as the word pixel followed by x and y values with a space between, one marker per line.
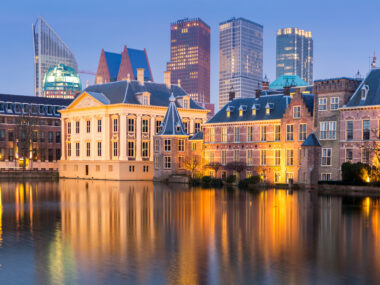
pixel 86 72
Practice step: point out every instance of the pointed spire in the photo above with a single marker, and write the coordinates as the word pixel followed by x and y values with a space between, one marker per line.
pixel 172 124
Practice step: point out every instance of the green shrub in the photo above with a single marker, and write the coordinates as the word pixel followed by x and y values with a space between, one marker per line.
pixel 231 179
pixel 216 182
pixel 243 184
pixel 195 182
pixel 254 179
pixel 355 172
pixel 206 180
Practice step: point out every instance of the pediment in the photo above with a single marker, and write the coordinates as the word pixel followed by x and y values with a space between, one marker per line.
pixel 84 100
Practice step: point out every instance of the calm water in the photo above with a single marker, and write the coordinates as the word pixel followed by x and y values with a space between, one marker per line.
pixel 73 232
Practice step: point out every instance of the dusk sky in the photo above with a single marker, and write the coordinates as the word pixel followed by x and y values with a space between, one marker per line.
pixel 345 33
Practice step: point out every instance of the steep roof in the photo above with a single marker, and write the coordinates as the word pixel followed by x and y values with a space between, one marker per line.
pixel 172 124
pixel 277 104
pixel 311 140
pixel 137 58
pixel 286 81
pixel 197 137
pixel 113 62
pixel 370 86
pixel 126 92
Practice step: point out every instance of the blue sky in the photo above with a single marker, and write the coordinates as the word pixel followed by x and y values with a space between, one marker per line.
pixel 345 33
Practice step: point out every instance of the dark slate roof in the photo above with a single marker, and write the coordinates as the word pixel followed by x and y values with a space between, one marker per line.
pixel 37 106
pixel 340 78
pixel 198 136
pixel 311 140
pixel 309 102
pixel 277 103
pixel 373 96
pixel 113 62
pixel 125 92
pixel 138 60
pixel 34 100
pixel 172 124
pixel 100 97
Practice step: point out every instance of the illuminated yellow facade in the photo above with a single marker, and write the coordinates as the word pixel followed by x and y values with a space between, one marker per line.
pixel 104 139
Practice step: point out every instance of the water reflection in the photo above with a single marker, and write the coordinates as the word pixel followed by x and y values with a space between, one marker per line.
pixel 120 232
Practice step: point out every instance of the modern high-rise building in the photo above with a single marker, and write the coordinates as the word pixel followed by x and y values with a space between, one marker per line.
pixel 294 53
pixel 190 57
pixel 240 58
pixel 49 50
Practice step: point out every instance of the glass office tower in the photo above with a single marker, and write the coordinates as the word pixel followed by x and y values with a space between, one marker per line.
pixel 240 58
pixel 190 57
pixel 294 53
pixel 49 50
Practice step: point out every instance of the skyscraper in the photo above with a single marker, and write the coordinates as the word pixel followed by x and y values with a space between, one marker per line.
pixel 240 58
pixel 49 50
pixel 190 57
pixel 294 53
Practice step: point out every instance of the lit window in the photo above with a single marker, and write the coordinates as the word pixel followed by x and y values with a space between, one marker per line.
pixel 296 112
pixel 212 135
pixel 167 162
pixel 181 145
pixel 289 132
pixel 302 132
pixel 289 157
pixel 334 103
pixel 263 157
pixel 250 133
pixel 322 104
pixel 224 134
pixel 167 145
pixel 326 156
pixel 277 133
pixel 277 157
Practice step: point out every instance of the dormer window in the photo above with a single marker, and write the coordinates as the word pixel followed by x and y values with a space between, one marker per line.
pixel 242 108
pixel 267 109
pixel 186 103
pixel 364 92
pixel 254 109
pixel 228 113
pixel 146 99
pixel 229 110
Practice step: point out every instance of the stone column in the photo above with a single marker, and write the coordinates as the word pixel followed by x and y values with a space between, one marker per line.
pixel 63 139
pixel 123 137
pixel 138 138
pixel 152 133
pixel 192 126
pixel 106 142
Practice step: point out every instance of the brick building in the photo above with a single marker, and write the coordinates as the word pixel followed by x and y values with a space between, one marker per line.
pixel 122 66
pixel 330 96
pixel 174 149
pixel 42 113
pixel 360 122
pixel 265 133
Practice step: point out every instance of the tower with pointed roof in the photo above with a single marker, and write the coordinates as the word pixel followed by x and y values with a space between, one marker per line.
pixel 174 148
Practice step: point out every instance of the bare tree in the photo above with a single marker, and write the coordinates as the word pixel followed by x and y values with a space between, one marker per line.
pixel 238 166
pixel 25 126
pixel 215 166
pixel 192 163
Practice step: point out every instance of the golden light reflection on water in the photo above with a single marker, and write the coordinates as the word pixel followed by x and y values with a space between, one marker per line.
pixel 145 233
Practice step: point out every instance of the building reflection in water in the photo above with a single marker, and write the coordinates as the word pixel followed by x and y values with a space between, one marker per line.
pixel 106 232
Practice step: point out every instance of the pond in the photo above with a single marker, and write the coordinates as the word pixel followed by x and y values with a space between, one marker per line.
pixel 97 232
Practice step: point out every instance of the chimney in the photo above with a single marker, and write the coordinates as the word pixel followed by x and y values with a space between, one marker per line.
pixel 128 77
pixel 287 90
pixel 140 75
pixel 167 78
pixel 265 84
pixel 179 82
pixel 258 93
pixel 87 83
pixel 231 94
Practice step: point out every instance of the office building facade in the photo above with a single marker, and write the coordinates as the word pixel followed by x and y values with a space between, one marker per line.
pixel 190 57
pixel 294 53
pixel 240 58
pixel 49 50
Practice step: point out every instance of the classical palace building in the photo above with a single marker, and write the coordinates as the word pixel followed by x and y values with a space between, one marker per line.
pixel 108 130
pixel 360 122
pixel 264 133
pixel 44 129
